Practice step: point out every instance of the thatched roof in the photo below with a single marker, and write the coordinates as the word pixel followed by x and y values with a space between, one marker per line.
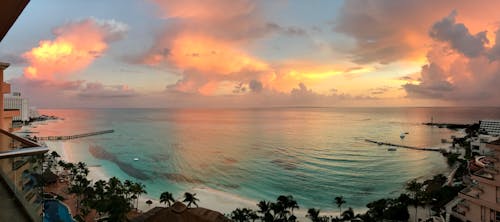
pixel 179 212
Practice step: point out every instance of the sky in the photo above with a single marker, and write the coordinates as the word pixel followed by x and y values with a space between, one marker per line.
pixel 255 53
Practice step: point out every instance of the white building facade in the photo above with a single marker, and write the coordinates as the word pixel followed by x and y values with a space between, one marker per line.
pixel 15 101
pixel 492 127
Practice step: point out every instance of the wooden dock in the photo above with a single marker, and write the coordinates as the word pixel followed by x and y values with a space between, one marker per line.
pixel 404 146
pixel 74 136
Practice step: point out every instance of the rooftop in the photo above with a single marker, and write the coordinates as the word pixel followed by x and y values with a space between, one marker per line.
pixel 179 212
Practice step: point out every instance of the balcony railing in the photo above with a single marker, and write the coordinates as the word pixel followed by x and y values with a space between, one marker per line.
pixel 21 165
pixel 484 174
pixel 471 192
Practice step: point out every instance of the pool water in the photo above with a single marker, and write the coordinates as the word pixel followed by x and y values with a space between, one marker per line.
pixel 56 211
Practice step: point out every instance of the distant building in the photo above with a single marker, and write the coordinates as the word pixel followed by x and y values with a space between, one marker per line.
pixel 33 113
pixel 492 127
pixel 15 101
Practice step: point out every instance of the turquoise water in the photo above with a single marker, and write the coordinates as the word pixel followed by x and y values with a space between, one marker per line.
pixel 313 154
pixel 55 211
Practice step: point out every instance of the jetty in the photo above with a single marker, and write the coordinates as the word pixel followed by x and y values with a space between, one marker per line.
pixel 453 126
pixel 404 146
pixel 75 136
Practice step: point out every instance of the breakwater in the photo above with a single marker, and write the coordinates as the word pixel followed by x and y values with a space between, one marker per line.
pixel 74 136
pixel 404 146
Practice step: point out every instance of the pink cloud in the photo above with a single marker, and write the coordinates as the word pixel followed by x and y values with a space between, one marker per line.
pixel 76 46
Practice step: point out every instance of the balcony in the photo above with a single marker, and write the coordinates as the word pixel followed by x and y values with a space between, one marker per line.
pixel 5 88
pixel 460 210
pixel 490 168
pixel 20 181
pixel 11 113
pixel 484 173
pixel 472 191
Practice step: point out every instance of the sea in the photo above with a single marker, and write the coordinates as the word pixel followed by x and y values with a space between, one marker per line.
pixel 237 157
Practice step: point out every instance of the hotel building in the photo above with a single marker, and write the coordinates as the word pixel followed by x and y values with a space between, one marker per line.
pixel 20 159
pixel 15 101
pixel 480 202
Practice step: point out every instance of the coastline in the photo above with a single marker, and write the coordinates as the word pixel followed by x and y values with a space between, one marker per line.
pixel 209 198
pixel 225 202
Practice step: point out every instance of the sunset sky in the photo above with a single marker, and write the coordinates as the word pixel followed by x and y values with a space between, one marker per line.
pixel 251 53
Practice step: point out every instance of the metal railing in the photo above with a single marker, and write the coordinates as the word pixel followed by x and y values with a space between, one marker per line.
pixel 21 166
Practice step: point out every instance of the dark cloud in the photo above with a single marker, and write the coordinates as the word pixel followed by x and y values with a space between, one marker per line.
pixel 255 86
pixel 99 90
pixel 494 52
pixel 60 93
pixel 13 58
pixel 239 88
pixel 458 36
pixel 290 30
pixel 388 31
pixel 112 30
pixel 433 84
pixel 380 90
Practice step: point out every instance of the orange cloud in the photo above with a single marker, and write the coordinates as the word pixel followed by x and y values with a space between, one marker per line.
pixel 75 47
pixel 209 55
pixel 208 43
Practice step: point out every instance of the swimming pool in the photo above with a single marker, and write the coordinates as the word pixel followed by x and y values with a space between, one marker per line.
pixel 56 211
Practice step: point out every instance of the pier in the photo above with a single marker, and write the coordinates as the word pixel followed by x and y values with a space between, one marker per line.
pixel 74 136
pixel 404 146
pixel 448 125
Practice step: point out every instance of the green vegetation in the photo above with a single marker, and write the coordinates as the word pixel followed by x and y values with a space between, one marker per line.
pixel 190 198
pixel 339 201
pixel 112 199
pixel 428 193
pixel 167 198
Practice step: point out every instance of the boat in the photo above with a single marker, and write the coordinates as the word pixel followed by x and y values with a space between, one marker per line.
pixel 136 159
pixel 402 135
pixel 391 149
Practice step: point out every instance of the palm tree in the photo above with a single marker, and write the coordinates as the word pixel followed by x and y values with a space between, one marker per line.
pixel 340 201
pixel 414 188
pixel 137 189
pixel 190 198
pixel 127 188
pixel 252 216
pixel 149 202
pixel 167 198
pixel 313 214
pixel 240 215
pixel 285 203
pixel 265 210
pixel 348 214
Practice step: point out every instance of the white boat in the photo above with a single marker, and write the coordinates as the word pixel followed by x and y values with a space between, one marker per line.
pixel 136 159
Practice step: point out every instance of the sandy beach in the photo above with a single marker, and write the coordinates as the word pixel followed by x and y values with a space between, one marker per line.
pixel 209 198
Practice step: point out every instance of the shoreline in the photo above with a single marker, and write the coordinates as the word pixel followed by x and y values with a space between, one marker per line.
pixel 210 198
pixel 218 200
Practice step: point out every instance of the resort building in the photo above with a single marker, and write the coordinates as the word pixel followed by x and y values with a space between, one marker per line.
pixel 478 144
pixel 15 101
pixel 20 161
pixel 492 127
pixel 480 202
